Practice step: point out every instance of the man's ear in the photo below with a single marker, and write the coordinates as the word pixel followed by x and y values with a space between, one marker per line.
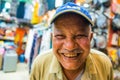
pixel 91 36
pixel 52 35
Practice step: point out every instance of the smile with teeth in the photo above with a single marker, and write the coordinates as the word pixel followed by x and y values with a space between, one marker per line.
pixel 71 55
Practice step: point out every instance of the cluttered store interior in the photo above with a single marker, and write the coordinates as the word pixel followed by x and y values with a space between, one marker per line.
pixel 25 32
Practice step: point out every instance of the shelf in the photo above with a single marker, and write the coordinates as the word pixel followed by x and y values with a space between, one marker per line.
pixel 11 39
pixel 7 38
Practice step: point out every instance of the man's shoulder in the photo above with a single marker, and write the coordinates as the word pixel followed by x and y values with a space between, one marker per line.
pixel 100 56
pixel 44 57
pixel 97 53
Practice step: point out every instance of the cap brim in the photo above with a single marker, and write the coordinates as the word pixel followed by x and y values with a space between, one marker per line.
pixel 74 11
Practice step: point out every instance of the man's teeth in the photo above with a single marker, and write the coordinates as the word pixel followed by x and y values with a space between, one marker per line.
pixel 71 55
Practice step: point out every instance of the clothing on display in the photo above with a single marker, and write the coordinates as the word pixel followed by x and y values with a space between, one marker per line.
pixel 116 22
pixel 58 3
pixel 45 44
pixel 28 11
pixel 51 4
pixel 35 16
pixel 8 0
pixel 13 8
pixel 42 9
pixel 20 33
pixel 101 21
pixel 23 0
pixel 115 6
pixel 2 5
pixel 65 1
pixel 29 45
pixel 79 1
pixel 114 40
pixel 37 47
pixel 20 10
pixel 32 51
pixel 37 43
pixel 101 42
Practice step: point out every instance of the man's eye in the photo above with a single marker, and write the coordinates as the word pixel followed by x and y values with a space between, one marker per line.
pixel 59 36
pixel 81 36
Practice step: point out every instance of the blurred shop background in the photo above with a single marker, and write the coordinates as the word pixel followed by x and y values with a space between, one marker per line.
pixel 25 32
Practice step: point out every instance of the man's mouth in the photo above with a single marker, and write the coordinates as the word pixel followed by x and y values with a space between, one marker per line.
pixel 71 55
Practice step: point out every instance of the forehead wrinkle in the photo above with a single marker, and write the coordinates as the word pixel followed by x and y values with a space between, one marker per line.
pixel 71 19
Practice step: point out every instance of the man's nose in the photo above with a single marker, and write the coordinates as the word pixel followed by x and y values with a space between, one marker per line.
pixel 70 44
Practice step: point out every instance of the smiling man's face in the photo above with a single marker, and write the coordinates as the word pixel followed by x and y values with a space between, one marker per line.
pixel 71 41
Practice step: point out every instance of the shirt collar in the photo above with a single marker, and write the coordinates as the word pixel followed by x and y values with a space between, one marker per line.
pixel 55 67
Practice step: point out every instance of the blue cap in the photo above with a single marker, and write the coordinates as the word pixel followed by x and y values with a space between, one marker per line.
pixel 74 8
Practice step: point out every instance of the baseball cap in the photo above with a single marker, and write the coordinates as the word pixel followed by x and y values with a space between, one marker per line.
pixel 74 8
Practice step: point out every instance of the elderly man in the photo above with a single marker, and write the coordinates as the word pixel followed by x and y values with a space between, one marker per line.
pixel 72 57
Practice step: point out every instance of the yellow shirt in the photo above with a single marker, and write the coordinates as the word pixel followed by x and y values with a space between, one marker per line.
pixel 118 41
pixel 47 67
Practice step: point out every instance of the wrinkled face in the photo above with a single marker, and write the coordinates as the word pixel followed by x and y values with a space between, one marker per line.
pixel 71 41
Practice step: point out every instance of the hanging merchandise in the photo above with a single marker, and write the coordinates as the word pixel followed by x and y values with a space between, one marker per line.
pixel 45 44
pixel 43 7
pixel 20 33
pixel 51 4
pixel 115 6
pixel 35 16
pixel 106 3
pixel 114 40
pixel 13 8
pixel 113 56
pixel 20 10
pixel 58 3
pixel 8 0
pixel 65 1
pixel 38 43
pixel 6 7
pixel 101 42
pixel 28 11
pixel 97 4
pixel 116 44
pixel 94 16
pixel 116 22
pixel 23 0
pixel 35 48
pixel 29 44
pixel 32 51
pixel 79 2
pixel 88 1
pixel 101 21
pixel 2 5
pixel 34 44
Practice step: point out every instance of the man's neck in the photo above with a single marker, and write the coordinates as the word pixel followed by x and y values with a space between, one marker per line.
pixel 72 74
